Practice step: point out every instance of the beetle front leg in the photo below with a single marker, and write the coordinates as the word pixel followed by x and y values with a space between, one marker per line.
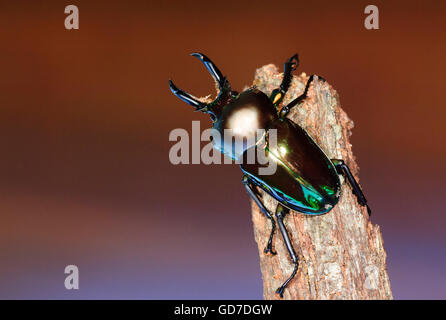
pixel 288 68
pixel 343 169
pixel 251 191
pixel 281 212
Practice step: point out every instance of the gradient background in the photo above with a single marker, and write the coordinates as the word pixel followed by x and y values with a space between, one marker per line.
pixel 85 116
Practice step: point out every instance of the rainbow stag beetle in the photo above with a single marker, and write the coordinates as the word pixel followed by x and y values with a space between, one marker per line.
pixel 305 180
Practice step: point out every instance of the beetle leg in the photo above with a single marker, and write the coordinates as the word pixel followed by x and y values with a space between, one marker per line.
pixel 251 191
pixel 343 169
pixel 300 98
pixel 281 212
pixel 288 68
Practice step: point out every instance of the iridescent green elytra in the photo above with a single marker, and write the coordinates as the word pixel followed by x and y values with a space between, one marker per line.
pixel 305 180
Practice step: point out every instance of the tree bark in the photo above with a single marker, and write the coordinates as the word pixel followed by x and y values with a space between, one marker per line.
pixel 341 254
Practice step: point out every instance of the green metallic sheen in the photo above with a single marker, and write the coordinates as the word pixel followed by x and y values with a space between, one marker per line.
pixel 305 180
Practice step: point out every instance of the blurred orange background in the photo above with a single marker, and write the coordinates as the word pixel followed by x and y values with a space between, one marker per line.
pixel 85 117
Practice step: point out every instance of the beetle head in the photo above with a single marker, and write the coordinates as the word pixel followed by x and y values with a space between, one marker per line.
pixel 225 94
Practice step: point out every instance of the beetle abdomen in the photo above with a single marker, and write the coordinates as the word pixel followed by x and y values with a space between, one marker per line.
pixel 305 179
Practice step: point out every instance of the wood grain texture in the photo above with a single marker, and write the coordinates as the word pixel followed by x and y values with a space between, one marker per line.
pixel 341 253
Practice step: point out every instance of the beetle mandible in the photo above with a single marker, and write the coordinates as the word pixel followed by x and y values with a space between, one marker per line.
pixel 305 180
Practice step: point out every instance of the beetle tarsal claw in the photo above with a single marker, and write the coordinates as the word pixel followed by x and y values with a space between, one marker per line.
pixel 279 291
pixel 269 252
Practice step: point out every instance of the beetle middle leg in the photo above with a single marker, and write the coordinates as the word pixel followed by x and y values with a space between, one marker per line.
pixel 251 191
pixel 281 212
pixel 343 169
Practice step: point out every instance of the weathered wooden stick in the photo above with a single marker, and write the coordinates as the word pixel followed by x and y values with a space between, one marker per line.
pixel 341 254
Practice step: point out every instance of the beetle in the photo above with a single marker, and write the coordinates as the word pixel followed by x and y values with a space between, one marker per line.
pixel 305 180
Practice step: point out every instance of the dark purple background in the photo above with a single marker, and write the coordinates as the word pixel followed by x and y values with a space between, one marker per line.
pixel 85 117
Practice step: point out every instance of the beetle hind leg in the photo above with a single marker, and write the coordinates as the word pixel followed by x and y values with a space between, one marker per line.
pixel 343 169
pixel 251 191
pixel 281 212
